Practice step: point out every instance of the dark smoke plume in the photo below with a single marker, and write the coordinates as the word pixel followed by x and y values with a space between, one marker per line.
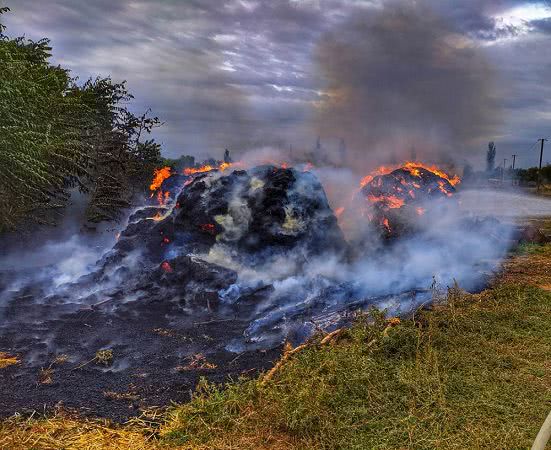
pixel 400 77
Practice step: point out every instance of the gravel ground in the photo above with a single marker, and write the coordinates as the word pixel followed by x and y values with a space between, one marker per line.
pixel 504 204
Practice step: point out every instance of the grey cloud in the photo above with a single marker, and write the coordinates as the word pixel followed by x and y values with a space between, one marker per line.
pixel 543 25
pixel 240 73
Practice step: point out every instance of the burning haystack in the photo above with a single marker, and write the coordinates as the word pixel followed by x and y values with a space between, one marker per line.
pixel 396 197
pixel 220 222
pixel 264 210
pixel 259 212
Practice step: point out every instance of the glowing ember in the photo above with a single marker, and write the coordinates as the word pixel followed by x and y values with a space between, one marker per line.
pixel 208 228
pixel 159 175
pixel 443 189
pixel 420 211
pixel 414 171
pixel 383 170
pixel 389 201
pixel 167 267
pixel 166 240
pixel 162 197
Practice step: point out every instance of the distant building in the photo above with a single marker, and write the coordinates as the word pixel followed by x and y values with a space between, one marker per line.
pixel 342 151
pixel 227 157
pixel 319 154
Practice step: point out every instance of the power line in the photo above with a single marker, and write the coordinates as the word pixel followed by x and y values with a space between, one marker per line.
pixel 533 146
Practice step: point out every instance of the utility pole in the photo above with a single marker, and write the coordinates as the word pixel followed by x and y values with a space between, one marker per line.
pixel 542 140
pixel 513 167
pixel 503 171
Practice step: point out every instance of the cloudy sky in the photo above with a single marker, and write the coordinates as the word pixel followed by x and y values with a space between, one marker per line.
pixel 385 75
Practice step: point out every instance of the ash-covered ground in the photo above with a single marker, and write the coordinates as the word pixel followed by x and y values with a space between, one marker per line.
pixel 213 282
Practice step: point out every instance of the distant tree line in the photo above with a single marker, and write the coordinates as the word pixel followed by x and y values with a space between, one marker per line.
pixel 531 174
pixel 524 176
pixel 57 135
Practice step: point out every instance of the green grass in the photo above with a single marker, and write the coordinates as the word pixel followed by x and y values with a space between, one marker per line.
pixel 533 249
pixel 473 374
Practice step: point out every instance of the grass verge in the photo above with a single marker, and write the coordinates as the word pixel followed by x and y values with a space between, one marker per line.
pixel 473 373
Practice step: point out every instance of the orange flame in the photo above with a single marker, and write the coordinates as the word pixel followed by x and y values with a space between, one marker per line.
pixel 207 168
pixel 192 170
pixel 390 201
pixel 159 175
pixel 383 170
pixel 413 168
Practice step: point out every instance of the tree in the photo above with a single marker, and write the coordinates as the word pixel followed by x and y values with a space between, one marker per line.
pixel 227 157
pixel 3 10
pixel 56 135
pixel 42 152
pixel 121 162
pixel 491 157
pixel 531 174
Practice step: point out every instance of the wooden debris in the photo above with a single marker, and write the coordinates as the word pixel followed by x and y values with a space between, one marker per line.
pixel 197 362
pixel 288 351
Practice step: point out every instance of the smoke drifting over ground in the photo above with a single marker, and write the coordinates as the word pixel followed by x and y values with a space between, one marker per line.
pixel 232 262
pixel 399 78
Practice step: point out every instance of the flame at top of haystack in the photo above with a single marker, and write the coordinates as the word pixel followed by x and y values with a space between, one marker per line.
pixel 413 168
pixel 208 167
pixel 159 175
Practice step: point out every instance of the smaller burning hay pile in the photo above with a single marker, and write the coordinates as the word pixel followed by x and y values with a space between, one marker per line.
pixel 398 197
